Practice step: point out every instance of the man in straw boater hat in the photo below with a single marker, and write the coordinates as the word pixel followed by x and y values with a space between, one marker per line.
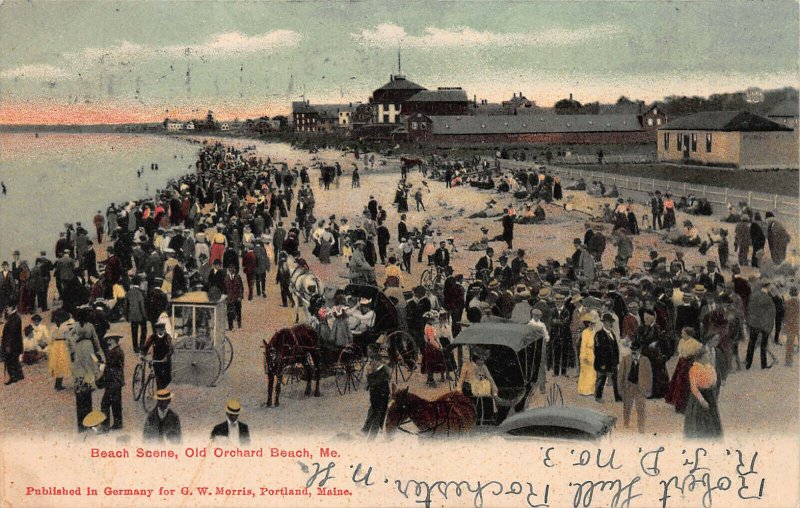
pixel 95 421
pixel 232 430
pixel 162 424
pixel 378 377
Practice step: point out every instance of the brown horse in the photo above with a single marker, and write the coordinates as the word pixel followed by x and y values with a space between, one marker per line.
pixel 453 412
pixel 298 344
pixel 409 163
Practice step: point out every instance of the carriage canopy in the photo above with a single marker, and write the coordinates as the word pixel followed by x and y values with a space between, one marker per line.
pixel 515 352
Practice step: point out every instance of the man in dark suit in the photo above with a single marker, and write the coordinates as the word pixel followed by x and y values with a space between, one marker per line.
pixel 378 377
pixel 485 263
pixel 233 431
pixel 402 228
pixel 384 237
pixel 12 344
pixel 162 424
pixel 441 257
pixel 278 238
pixel 606 358
pixel 372 206
pixel 8 286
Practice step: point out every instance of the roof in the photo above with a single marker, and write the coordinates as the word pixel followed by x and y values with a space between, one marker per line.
pixel 451 95
pixel 532 123
pixel 787 108
pixel 513 335
pixel 302 107
pixel 401 83
pixel 727 121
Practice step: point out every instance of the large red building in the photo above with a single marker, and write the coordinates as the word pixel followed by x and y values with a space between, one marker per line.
pixel 567 129
pixel 441 102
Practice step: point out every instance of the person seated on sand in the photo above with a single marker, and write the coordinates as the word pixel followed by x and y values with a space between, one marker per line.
pixel 611 193
pixel 488 212
pixel 733 216
pixel 580 185
pixel 688 237
pixel 482 244
pixel 596 189
pixel 608 214
pixel 699 206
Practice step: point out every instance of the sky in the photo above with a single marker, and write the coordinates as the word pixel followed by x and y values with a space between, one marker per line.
pixel 116 62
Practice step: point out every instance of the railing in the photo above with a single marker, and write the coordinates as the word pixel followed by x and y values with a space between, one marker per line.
pixel 786 207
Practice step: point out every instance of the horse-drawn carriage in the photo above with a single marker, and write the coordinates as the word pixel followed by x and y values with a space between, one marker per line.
pixel 388 331
pixel 299 352
pixel 514 361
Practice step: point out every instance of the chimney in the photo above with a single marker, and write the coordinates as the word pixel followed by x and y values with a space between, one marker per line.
pixel 515 96
pixel 570 97
pixel 475 99
pixel 520 95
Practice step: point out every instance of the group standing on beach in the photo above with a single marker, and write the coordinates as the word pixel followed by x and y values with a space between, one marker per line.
pixel 237 214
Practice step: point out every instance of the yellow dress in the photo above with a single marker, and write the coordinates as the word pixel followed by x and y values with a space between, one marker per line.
pixel 58 358
pixel 588 376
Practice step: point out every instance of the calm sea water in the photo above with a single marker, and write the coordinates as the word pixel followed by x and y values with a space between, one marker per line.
pixel 60 178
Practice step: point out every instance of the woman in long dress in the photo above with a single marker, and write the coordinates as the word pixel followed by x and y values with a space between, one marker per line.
pixel 58 361
pixel 588 376
pixel 678 389
pixel 340 331
pixel 432 359
pixel 702 412
pixel 86 349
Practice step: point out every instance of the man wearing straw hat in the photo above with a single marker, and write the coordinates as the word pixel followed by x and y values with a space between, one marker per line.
pixel 162 424
pixel 232 430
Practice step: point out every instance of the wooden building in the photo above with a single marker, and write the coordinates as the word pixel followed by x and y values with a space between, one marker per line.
pixel 560 129
pixel 737 139
pixel 442 102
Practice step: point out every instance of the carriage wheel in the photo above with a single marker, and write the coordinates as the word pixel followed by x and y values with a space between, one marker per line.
pixel 427 278
pixel 148 394
pixel 137 382
pixel 199 368
pixel 349 369
pixel 402 352
pixel 226 353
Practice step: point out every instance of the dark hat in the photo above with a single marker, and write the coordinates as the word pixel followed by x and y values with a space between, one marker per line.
pixel 607 318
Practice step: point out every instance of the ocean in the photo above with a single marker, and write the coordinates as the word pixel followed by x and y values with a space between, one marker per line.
pixel 60 178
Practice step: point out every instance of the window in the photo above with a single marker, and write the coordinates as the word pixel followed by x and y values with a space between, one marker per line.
pixel 413 126
pixel 679 143
pixel 650 122
pixel 386 118
pixel 666 141
pixel 694 141
pixel 708 142
pixel 658 121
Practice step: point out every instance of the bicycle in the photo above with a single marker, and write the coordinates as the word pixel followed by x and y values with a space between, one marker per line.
pixel 432 278
pixel 143 383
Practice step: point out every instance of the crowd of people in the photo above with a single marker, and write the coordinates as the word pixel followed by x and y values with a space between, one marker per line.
pixel 239 215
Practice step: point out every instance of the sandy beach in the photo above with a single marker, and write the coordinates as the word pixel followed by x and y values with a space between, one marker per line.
pixel 762 400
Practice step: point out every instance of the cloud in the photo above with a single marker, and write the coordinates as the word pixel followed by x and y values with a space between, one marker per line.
pixel 74 64
pixel 391 35
pixel 35 71
pixel 219 45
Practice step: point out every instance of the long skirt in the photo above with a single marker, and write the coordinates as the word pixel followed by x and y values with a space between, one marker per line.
pixel 678 389
pixel 702 422
pixel 432 360
pixel 85 366
pixel 58 359
pixel 325 253
pixel 340 332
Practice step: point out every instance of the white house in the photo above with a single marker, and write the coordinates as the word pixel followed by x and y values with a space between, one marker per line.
pixel 225 127
pixel 174 126
pixel 189 126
